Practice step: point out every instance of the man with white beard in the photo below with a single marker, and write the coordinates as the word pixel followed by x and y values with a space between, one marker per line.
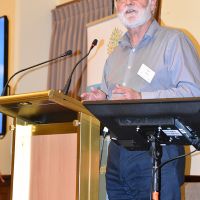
pixel 150 62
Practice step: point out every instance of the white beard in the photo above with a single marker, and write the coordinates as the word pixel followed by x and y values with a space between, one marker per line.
pixel 143 16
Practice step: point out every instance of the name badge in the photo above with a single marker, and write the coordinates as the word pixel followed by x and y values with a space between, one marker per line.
pixel 146 73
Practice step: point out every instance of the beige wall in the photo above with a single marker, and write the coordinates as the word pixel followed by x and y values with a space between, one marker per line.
pixel 183 14
pixel 32 42
pixel 59 2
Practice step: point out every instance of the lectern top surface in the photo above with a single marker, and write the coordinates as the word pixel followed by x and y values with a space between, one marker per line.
pixel 42 107
pixel 132 122
pixel 145 107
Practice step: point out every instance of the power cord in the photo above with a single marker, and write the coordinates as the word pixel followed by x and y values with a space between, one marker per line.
pixel 170 160
pixel 176 158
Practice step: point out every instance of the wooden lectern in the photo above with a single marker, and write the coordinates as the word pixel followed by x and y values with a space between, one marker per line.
pixel 55 147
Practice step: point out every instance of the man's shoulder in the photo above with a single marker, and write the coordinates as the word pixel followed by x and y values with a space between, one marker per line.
pixel 170 32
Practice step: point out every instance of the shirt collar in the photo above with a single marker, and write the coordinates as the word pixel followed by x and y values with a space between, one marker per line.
pixel 125 40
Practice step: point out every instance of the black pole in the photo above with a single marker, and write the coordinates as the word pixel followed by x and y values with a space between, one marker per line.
pixel 156 161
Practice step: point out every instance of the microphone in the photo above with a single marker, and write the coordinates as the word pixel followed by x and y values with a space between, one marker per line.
pixel 67 53
pixel 65 90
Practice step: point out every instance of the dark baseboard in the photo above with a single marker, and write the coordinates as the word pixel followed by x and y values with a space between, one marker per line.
pixel 192 179
pixel 7 179
pixel 5 188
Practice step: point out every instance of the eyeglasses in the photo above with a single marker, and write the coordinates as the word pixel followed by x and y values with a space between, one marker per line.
pixel 120 1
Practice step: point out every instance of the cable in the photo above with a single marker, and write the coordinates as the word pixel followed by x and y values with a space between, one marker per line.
pixel 176 158
pixel 164 163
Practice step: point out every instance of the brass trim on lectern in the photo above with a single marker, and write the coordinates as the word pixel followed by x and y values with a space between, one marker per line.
pixel 88 157
pixel 52 129
pixel 70 102
pixel 24 97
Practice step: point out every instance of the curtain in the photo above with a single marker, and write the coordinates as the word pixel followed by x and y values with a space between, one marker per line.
pixel 69 32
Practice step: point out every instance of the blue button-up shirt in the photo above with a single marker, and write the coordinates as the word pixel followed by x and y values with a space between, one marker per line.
pixel 168 53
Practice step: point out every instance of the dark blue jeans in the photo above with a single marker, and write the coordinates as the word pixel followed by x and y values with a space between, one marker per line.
pixel 129 173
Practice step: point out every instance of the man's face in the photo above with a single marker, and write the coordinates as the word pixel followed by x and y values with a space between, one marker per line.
pixel 134 13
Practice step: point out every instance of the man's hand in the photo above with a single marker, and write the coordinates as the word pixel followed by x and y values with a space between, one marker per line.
pixel 123 93
pixel 94 95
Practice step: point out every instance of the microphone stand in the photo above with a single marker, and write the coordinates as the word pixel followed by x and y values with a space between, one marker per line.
pixel 65 90
pixel 67 53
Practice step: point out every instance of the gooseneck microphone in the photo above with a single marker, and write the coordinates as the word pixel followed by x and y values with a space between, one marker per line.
pixel 67 53
pixel 65 90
